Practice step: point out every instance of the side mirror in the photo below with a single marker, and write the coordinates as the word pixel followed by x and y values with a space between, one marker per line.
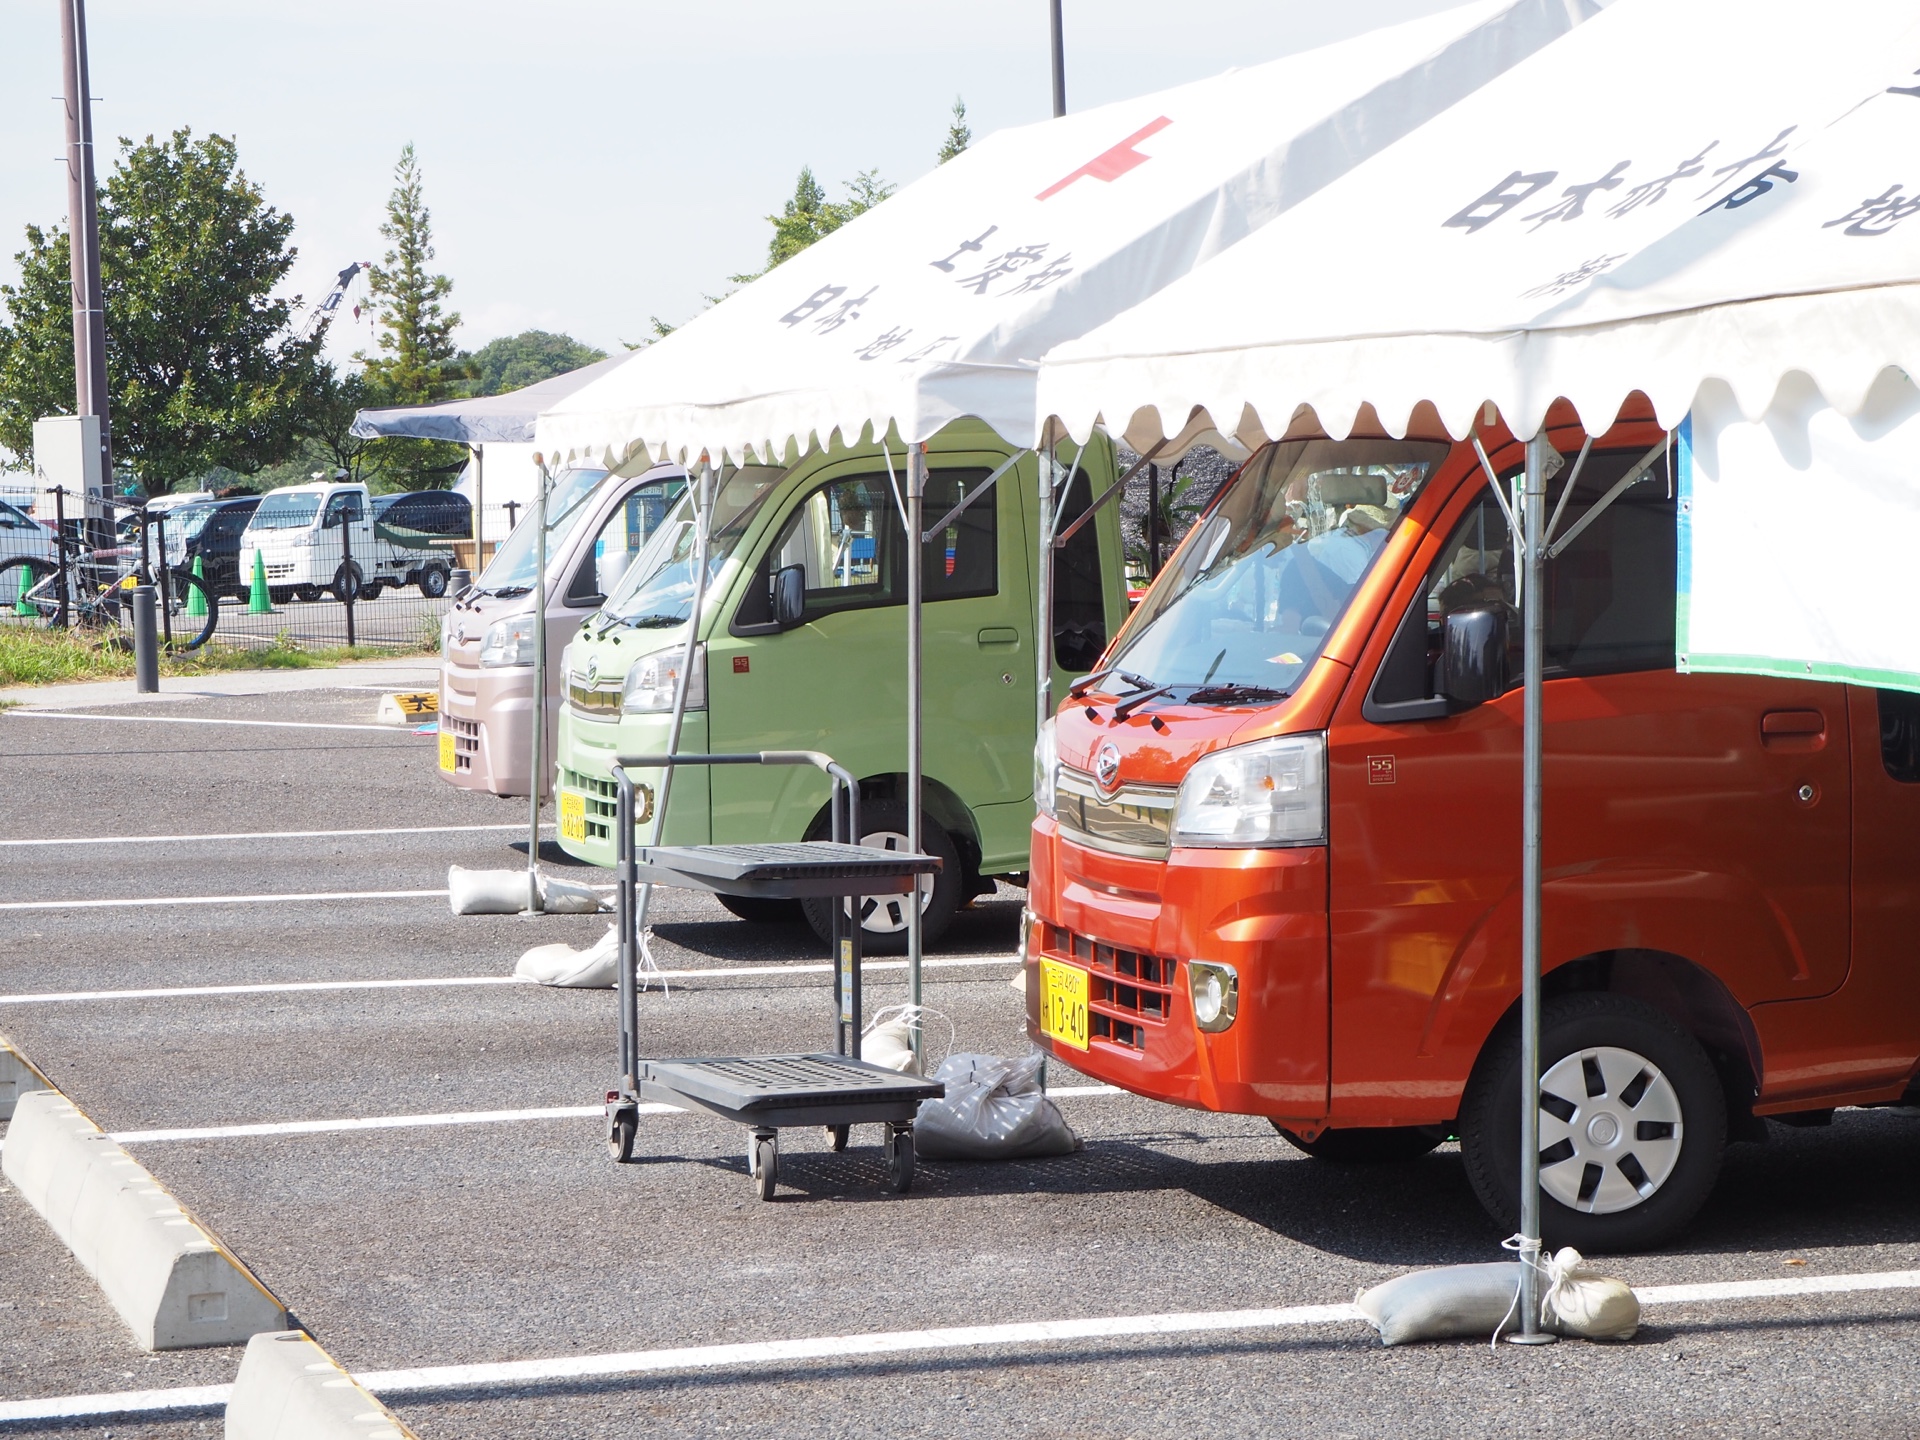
pixel 790 596
pixel 1473 662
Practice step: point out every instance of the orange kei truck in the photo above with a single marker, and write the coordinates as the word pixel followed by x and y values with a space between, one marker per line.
pixel 1277 861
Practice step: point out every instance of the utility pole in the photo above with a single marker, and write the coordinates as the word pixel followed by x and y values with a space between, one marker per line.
pixel 1059 61
pixel 89 307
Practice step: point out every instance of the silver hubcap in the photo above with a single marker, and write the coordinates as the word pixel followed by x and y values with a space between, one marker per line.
pixel 1610 1130
pixel 887 914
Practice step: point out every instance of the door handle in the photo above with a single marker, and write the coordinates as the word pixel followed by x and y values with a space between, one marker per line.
pixel 1793 729
pixel 999 635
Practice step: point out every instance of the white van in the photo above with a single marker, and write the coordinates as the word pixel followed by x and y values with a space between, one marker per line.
pixel 330 536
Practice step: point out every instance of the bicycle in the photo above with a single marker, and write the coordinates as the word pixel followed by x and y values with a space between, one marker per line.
pixel 89 589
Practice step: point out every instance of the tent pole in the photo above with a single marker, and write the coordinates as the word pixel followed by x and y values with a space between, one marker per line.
pixel 479 510
pixel 539 689
pixel 1533 609
pixel 1043 596
pixel 916 583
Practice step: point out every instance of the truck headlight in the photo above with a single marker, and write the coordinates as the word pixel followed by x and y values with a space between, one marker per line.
pixel 1216 994
pixel 654 678
pixel 1046 759
pixel 508 642
pixel 1270 792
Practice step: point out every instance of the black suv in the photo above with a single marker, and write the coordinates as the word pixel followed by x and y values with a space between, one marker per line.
pixel 216 541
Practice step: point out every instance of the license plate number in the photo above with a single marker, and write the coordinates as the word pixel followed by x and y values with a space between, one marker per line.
pixel 573 816
pixel 1063 1004
pixel 446 750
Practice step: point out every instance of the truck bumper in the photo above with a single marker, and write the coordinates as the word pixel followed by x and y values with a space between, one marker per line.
pixel 490 713
pixel 1135 926
pixel 586 747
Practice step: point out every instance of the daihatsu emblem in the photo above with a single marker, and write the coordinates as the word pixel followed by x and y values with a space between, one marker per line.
pixel 593 669
pixel 1106 766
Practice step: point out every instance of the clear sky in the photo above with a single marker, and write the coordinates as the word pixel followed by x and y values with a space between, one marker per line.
pixel 590 163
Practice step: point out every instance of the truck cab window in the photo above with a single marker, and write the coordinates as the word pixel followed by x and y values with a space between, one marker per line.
pixel 1900 735
pixel 346 505
pixel 1079 598
pixel 1609 596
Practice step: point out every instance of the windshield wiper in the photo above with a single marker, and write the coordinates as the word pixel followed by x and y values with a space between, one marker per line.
pixel 1087 683
pixel 1234 693
pixel 1134 702
pixel 655 621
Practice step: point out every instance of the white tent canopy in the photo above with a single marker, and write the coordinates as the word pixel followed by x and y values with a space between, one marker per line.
pixel 1672 193
pixel 939 303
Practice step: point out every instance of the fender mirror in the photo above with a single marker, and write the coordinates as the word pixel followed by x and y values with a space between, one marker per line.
pixel 790 596
pixel 1473 662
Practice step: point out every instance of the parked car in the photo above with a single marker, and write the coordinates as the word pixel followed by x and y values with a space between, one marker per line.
pixel 211 533
pixel 21 534
pixel 415 532
pixel 298 531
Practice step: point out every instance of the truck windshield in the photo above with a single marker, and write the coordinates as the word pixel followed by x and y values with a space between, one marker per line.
pixel 286 512
pixel 657 589
pixel 516 563
pixel 1247 601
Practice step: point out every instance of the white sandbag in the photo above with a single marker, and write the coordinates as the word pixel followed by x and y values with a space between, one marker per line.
pixel 890 1044
pixel 1581 1301
pixel 504 892
pixel 563 897
pixel 595 968
pixel 1449 1303
pixel 486 892
pixel 994 1109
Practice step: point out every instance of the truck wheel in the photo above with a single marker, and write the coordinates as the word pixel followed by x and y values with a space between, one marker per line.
pixel 761 911
pixel 1633 1121
pixel 346 583
pixel 1382 1145
pixel 433 582
pixel 883 918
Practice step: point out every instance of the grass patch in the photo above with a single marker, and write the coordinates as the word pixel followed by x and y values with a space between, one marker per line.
pixel 51 657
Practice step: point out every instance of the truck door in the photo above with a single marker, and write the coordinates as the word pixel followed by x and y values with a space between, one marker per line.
pixel 1674 817
pixel 837 681
pixel 344 507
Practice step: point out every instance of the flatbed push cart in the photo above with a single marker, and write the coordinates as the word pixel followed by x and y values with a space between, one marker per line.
pixel 766 1093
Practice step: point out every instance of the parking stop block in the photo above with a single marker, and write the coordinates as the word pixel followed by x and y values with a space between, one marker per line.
pixel 17 1077
pixel 173 1283
pixel 405 707
pixel 289 1388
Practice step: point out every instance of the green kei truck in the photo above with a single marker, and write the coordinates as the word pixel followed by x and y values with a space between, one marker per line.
pixel 802 646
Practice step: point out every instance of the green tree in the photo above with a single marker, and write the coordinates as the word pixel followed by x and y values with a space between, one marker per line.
pixel 808 215
pixel 515 361
pixel 202 370
pixel 959 133
pixel 416 362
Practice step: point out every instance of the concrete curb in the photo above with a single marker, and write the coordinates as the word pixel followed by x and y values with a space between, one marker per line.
pixel 17 1076
pixel 171 1281
pixel 290 1389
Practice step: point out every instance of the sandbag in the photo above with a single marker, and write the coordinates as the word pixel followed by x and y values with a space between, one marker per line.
pixel 1581 1301
pixel 890 1043
pixel 504 892
pixel 1449 1303
pixel 595 968
pixel 994 1109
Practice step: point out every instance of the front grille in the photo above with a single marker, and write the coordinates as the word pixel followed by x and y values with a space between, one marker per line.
pixel 1135 820
pixel 466 739
pixel 591 700
pixel 603 801
pixel 280 572
pixel 1127 992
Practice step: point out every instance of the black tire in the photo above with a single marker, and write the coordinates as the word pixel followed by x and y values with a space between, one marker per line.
pixel 766 1166
pixel 620 1138
pixel 900 1160
pixel 1383 1145
pixel 761 911
pixel 190 632
pixel 433 582
pixel 308 593
pixel 347 582
pixel 372 590
pixel 18 576
pixel 837 1137
pixel 883 929
pixel 1675 1073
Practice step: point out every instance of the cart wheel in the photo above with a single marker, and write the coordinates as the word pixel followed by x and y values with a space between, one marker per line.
pixel 900 1160
pixel 837 1137
pixel 620 1137
pixel 763 1159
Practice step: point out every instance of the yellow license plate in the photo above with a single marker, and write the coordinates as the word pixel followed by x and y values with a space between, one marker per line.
pixel 1063 1003
pixel 446 750
pixel 573 816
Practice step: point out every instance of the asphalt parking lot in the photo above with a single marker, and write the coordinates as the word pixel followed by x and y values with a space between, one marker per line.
pixel 500 1231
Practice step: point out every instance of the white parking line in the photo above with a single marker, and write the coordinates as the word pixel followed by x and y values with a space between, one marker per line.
pixel 261 835
pixel 451 1117
pixel 200 720
pixel 717 972
pixel 152 900
pixel 1033 1334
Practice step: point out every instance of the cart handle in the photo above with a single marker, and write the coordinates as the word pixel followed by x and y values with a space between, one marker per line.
pixel 819 759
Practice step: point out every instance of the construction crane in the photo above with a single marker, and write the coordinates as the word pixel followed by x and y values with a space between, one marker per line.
pixel 323 312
